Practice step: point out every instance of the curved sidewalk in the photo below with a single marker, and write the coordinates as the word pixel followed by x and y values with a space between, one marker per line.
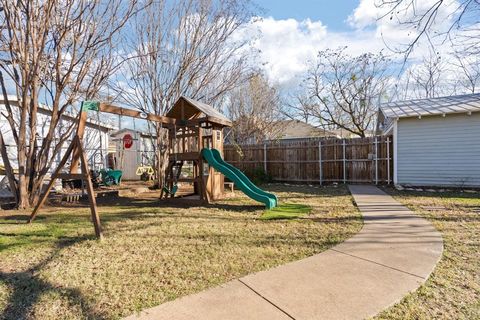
pixel 392 255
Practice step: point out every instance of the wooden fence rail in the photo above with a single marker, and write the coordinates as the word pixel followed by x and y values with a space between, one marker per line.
pixel 357 160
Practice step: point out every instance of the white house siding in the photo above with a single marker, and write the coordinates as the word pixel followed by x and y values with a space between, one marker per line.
pixel 95 140
pixel 439 151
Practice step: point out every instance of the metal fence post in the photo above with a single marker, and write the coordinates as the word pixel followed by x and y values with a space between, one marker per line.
pixel 344 164
pixel 265 157
pixel 376 159
pixel 320 161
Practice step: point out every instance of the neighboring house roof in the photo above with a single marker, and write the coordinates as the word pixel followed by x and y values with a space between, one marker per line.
pixel 295 129
pixel 343 133
pixel 186 108
pixel 432 106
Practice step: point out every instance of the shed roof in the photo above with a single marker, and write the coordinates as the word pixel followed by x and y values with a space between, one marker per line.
pixel 432 106
pixel 186 109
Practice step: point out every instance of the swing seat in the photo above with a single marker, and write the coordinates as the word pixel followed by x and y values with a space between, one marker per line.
pixel 111 177
pixel 145 172
pixel 172 191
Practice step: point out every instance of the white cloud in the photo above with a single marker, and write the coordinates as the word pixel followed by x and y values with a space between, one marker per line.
pixel 286 46
pixel 400 23
pixel 380 12
pixel 365 14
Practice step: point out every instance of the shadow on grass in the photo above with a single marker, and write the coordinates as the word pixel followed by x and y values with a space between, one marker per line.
pixel 454 194
pixel 27 288
pixel 21 218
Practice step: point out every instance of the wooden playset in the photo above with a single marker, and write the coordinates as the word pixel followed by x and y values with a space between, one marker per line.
pixel 192 126
pixel 198 126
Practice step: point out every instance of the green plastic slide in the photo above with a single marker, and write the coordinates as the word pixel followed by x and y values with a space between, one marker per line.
pixel 214 159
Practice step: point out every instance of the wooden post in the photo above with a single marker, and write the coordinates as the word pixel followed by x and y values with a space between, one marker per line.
pixel 202 190
pixel 82 121
pixel 320 173
pixel 183 131
pixel 344 163
pixel 76 145
pixel 52 180
pixel 91 193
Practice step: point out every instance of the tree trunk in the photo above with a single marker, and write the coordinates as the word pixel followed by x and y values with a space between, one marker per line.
pixel 8 169
pixel 23 199
pixel 161 156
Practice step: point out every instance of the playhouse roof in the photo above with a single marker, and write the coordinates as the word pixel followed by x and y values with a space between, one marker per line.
pixel 187 109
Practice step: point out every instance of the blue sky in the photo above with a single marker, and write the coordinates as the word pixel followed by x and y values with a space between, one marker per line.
pixel 332 13
pixel 291 33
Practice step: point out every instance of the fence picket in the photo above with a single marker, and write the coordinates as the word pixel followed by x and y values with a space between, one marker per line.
pixel 357 160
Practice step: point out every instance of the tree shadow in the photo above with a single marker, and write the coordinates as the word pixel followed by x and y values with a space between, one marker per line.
pixel 179 203
pixel 27 288
pixel 451 194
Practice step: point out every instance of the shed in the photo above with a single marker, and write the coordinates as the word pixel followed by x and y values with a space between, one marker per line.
pixel 129 150
pixel 435 140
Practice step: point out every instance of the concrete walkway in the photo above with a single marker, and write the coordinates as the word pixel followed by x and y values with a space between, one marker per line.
pixel 392 255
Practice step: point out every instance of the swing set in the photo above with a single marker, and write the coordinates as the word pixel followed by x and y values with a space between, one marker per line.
pixel 191 125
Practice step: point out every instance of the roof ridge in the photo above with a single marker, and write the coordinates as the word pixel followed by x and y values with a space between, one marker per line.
pixel 432 106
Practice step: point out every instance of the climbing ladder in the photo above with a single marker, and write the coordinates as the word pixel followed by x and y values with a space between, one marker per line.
pixel 172 176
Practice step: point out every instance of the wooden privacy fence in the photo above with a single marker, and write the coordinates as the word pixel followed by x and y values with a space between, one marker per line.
pixel 357 160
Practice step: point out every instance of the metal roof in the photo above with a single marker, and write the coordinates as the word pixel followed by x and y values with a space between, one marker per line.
pixel 432 106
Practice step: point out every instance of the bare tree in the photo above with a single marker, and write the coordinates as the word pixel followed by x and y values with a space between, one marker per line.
pixel 55 52
pixel 440 20
pixel 428 79
pixel 182 47
pixel 298 105
pixel 256 110
pixel 469 76
pixel 343 92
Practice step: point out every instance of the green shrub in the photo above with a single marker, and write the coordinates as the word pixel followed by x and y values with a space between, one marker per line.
pixel 259 176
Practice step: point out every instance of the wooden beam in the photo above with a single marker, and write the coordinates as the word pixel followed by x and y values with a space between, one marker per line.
pixel 215 120
pixel 187 156
pixel 82 122
pixel 109 108
pixel 91 193
pixel 52 181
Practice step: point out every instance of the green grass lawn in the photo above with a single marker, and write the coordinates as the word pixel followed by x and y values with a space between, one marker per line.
pixel 453 290
pixel 286 211
pixel 154 252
